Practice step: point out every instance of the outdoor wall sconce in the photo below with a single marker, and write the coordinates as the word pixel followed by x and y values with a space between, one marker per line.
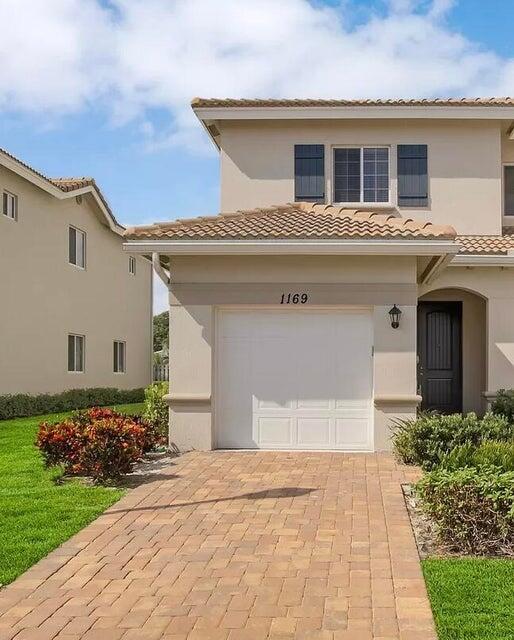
pixel 395 314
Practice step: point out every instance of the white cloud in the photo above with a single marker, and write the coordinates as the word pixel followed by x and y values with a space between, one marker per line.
pixel 133 57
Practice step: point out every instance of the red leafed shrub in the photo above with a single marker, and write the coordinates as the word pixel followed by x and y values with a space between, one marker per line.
pixel 111 447
pixel 97 442
pixel 61 443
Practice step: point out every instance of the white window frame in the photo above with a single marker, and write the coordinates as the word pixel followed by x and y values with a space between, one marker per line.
pixel 76 337
pixel 119 364
pixel 508 216
pixel 361 202
pixel 13 199
pixel 78 234
pixel 132 265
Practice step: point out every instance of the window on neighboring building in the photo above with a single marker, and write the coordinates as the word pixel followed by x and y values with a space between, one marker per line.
pixel 10 205
pixel 132 265
pixel 361 174
pixel 119 356
pixel 76 346
pixel 508 190
pixel 77 247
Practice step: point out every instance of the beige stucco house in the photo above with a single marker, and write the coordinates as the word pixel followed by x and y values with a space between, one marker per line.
pixel 75 309
pixel 337 214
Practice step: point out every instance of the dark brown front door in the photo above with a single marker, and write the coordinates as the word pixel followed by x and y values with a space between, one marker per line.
pixel 440 356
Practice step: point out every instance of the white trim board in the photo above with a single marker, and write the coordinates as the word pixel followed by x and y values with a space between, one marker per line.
pixel 393 112
pixel 294 247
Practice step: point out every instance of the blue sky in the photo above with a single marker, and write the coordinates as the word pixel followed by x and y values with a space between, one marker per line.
pixel 102 87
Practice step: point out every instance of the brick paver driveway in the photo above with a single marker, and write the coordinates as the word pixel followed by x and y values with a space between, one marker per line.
pixel 237 546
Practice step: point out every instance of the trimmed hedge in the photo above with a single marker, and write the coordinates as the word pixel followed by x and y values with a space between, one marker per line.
pixel 487 454
pixel 473 509
pixel 22 405
pixel 427 439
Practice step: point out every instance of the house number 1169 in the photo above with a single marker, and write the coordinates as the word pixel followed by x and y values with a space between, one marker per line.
pixel 294 298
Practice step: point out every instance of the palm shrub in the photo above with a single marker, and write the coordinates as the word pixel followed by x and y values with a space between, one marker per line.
pixel 425 440
pixel 503 404
pixel 473 509
pixel 156 410
pixel 486 454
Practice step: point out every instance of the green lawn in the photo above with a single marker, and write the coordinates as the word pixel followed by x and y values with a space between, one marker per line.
pixel 37 515
pixel 472 599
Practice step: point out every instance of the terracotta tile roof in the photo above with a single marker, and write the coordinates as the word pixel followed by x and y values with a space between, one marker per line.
pixel 297 220
pixel 197 103
pixel 65 184
pixel 72 184
pixel 488 245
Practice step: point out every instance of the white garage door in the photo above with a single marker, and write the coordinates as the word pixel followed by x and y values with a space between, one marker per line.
pixel 294 379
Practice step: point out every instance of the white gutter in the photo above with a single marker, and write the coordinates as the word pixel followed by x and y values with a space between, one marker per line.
pixel 294 247
pixel 482 261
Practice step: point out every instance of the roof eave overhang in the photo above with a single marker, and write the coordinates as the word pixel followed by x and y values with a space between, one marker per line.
pixel 294 247
pixel 464 260
pixel 37 180
pixel 210 115
pixel 352 112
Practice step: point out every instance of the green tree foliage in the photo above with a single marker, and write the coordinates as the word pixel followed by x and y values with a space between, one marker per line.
pixel 160 331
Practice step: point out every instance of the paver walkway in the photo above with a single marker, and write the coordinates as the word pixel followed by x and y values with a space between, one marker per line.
pixel 237 546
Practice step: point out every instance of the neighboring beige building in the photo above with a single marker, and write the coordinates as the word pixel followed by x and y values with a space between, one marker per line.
pixel 75 309
pixel 284 316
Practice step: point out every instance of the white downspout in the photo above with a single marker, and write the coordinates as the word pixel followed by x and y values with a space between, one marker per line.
pixel 159 269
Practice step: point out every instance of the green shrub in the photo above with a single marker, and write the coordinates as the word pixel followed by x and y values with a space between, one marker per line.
pixel 473 509
pixel 487 454
pixel 427 439
pixel 156 410
pixel 503 404
pixel 22 405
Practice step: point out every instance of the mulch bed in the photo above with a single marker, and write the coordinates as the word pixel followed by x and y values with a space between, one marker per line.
pixel 425 533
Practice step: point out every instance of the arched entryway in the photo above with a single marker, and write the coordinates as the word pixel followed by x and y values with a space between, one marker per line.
pixel 452 350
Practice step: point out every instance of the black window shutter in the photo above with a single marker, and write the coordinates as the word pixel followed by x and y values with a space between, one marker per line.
pixel 412 175
pixel 309 172
pixel 508 180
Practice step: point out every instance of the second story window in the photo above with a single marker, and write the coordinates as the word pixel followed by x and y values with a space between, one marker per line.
pixel 10 205
pixel 77 247
pixel 132 265
pixel 361 174
pixel 508 190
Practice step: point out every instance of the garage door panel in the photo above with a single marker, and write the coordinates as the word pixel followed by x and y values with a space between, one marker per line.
pixel 314 433
pixel 273 432
pixel 303 379
pixel 313 404
pixel 351 433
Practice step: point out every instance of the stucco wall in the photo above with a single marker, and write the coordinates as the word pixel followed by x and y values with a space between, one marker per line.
pixel 43 298
pixel 201 285
pixel 464 164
